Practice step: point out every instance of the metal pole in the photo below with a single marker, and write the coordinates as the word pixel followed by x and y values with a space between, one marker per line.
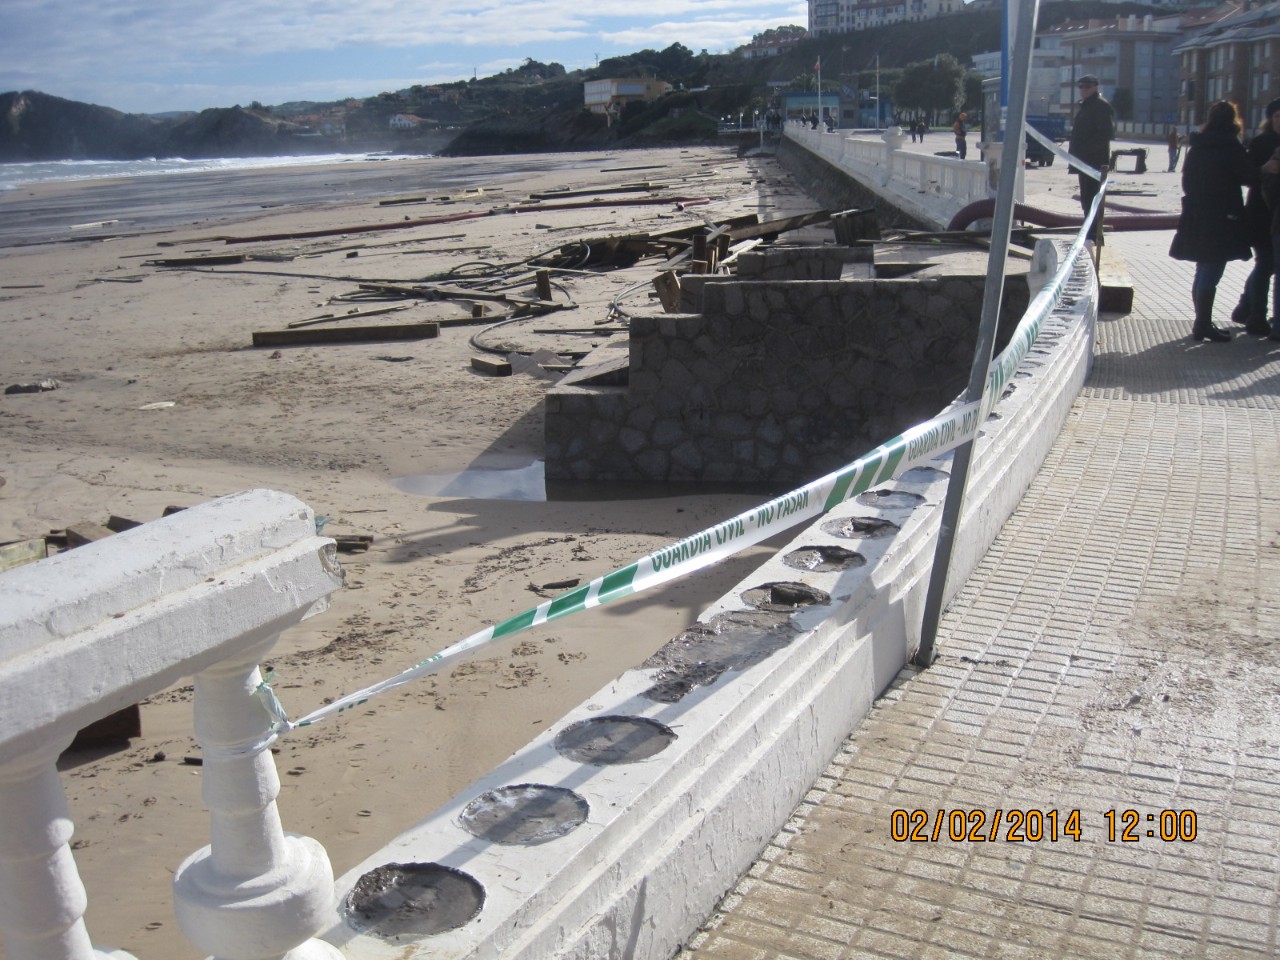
pixel 1010 159
pixel 877 91
pixel 818 67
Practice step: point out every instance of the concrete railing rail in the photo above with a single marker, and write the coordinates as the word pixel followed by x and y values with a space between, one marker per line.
pixel 84 633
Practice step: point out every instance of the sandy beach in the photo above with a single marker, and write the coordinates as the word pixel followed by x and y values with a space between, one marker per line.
pixel 162 401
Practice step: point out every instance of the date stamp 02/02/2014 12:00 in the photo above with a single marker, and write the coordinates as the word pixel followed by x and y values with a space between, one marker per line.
pixel 1019 825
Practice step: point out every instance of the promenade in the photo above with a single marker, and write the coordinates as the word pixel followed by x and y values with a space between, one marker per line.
pixel 1109 674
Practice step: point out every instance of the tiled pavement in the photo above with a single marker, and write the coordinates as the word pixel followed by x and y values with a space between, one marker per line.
pixel 1117 650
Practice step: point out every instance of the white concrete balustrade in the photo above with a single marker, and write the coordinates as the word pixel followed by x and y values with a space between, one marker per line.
pixel 205 592
pixel 929 187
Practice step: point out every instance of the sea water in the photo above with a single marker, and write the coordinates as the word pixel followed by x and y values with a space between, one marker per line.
pixel 17 175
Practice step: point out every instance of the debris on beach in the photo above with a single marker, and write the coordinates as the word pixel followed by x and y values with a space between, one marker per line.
pixel 38 386
pixel 318 335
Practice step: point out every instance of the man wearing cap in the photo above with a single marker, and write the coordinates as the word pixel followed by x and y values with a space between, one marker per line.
pixel 1091 133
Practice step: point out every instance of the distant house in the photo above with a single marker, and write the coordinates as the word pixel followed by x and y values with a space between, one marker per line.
pixel 768 47
pixel 405 121
pixel 608 97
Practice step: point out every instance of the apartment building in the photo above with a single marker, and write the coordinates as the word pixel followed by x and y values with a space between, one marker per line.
pixel 845 16
pixel 1133 59
pixel 1236 57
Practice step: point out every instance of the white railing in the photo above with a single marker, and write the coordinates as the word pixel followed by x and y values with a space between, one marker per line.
pixel 930 187
pixel 205 592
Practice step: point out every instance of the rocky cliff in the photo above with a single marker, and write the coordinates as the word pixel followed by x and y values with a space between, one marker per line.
pixel 36 126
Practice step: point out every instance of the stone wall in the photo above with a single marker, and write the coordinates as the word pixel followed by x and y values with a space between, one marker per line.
pixel 836 189
pixel 775 381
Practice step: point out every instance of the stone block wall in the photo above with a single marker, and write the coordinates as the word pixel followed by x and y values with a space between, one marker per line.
pixel 774 382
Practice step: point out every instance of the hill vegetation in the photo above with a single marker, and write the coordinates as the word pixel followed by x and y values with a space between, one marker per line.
pixel 536 106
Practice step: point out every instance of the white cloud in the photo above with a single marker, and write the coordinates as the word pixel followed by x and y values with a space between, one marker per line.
pixel 153 54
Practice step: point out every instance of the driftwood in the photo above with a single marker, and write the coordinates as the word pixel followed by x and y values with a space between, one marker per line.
pixel 353 315
pixel 769 227
pixel 391 331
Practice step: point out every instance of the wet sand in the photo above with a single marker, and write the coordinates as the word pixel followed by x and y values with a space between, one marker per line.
pixel 335 425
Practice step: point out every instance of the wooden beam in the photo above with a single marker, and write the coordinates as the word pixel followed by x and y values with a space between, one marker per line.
pixel 779 226
pixel 83 533
pixel 22 552
pixel 390 331
pixel 491 366
pixel 667 284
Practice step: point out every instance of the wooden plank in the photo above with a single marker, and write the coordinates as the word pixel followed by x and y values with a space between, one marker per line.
pixel 353 542
pixel 543 281
pixel 491 366
pixel 779 226
pixel 353 315
pixel 112 730
pixel 22 552
pixel 213 261
pixel 1115 284
pixel 121 524
pixel 83 533
pixel 391 331
pixel 667 284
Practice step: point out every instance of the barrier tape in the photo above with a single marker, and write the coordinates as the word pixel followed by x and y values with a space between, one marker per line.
pixel 955 425
pixel 1061 154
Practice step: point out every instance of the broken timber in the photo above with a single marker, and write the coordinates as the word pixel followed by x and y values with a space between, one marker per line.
pixel 390 331
pixel 353 315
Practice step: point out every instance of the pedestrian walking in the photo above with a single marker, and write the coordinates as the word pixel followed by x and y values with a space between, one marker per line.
pixel 1175 148
pixel 959 129
pixel 1091 133
pixel 1211 228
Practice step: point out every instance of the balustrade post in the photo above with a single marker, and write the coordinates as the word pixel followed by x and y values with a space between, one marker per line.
pixel 255 893
pixel 42 900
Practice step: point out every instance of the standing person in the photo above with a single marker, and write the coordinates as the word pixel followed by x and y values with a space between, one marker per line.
pixel 914 131
pixel 1091 132
pixel 958 128
pixel 1175 148
pixel 1211 227
pixel 1252 308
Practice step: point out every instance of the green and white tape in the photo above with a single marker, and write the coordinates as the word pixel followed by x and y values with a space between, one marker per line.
pixel 917 445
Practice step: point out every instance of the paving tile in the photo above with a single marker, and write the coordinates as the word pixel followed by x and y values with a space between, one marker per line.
pixel 1115 649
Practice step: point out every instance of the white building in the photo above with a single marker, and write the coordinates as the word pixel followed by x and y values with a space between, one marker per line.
pixel 1045 91
pixel 843 16
pixel 609 96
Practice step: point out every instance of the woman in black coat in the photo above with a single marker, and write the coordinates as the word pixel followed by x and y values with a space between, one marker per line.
pixel 1252 308
pixel 1211 229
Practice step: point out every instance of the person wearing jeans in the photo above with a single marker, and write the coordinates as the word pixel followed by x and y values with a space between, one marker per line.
pixel 1211 227
pixel 1252 308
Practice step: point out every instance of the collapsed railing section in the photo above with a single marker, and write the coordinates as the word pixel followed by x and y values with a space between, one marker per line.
pixel 205 592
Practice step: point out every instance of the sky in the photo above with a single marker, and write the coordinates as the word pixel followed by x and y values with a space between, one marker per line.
pixel 154 56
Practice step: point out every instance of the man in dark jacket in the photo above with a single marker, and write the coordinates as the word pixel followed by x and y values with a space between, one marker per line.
pixel 1091 133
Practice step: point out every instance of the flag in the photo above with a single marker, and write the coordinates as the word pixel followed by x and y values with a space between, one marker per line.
pixel 818 66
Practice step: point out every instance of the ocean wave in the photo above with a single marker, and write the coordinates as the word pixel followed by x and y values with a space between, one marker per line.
pixel 16 175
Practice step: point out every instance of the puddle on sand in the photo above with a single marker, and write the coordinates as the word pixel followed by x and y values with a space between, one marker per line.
pixel 495 478
pixel 501 477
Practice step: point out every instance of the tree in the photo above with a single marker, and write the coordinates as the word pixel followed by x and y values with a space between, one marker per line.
pixel 930 86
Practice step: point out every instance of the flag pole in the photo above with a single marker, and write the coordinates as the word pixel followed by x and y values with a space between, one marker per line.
pixel 818 67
